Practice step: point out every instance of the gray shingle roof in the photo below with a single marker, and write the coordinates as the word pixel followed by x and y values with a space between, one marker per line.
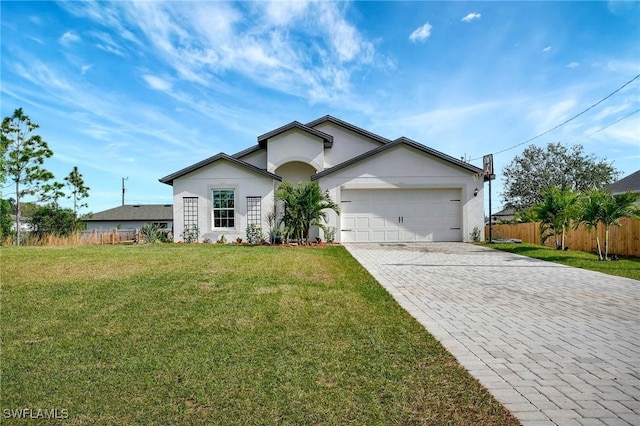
pixel 137 212
pixel 629 183
pixel 402 140
pixel 327 139
pixel 222 156
pixel 247 151
pixel 348 126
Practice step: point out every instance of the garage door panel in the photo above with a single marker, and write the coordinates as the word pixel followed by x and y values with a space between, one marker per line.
pixel 348 222
pixel 362 222
pixel 378 222
pixel 379 215
pixel 362 236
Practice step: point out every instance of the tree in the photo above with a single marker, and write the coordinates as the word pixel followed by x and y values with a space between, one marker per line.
pixel 590 208
pixel 23 156
pixel 613 209
pixel 5 219
pixel 555 213
pixel 53 220
pixel 78 190
pixel 304 207
pixel 537 169
pixel 600 206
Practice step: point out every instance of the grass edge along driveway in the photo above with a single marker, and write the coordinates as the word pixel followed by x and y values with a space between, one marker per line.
pixel 205 334
pixel 628 267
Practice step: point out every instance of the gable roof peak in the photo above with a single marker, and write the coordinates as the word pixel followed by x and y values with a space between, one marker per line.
pixel 326 138
pixel 221 156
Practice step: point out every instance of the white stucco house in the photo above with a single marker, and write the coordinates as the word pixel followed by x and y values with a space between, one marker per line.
pixel 388 190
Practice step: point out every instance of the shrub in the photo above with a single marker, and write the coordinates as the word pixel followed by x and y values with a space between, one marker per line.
pixel 151 233
pixel 191 235
pixel 254 234
pixel 330 234
pixel 475 234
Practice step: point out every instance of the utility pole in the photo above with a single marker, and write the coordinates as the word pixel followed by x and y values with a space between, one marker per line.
pixel 123 190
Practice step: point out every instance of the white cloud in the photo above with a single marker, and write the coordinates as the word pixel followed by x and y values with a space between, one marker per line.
pixel 421 33
pixel 470 17
pixel 305 49
pixel 106 43
pixel 67 38
pixel 85 68
pixel 552 114
pixel 157 83
pixel 573 64
pixel 284 12
pixel 547 49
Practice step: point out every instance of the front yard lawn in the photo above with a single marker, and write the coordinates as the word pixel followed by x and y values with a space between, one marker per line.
pixel 624 267
pixel 206 334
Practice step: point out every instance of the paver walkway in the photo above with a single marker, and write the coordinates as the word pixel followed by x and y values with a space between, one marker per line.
pixel 556 345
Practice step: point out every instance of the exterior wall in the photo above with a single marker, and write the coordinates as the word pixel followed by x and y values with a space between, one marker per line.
pixel 405 167
pixel 107 226
pixel 295 145
pixel 221 175
pixel 346 144
pixel 257 158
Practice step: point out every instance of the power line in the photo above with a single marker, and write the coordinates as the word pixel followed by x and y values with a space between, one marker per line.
pixel 568 120
pixel 607 126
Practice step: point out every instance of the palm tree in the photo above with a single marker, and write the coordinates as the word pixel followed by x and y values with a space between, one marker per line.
pixel 304 207
pixel 614 208
pixel 599 206
pixel 555 213
pixel 590 207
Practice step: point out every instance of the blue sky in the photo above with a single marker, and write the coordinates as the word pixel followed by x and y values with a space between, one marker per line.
pixel 143 89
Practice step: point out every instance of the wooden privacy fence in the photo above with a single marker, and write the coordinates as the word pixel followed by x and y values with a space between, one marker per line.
pixel 115 236
pixel 624 240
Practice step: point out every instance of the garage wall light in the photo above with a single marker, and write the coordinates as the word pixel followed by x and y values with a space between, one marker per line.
pixel 475 192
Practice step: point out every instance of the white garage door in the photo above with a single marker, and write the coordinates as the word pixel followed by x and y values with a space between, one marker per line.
pixel 399 215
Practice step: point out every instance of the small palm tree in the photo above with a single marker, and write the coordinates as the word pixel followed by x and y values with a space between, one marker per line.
pixel 615 208
pixel 590 207
pixel 304 207
pixel 291 217
pixel 599 206
pixel 555 213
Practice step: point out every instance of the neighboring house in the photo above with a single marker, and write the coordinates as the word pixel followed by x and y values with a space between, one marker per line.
pixel 388 191
pixel 130 217
pixel 628 183
pixel 503 216
pixel 25 223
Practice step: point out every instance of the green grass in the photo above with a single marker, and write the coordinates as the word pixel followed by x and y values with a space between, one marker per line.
pixel 206 334
pixel 625 267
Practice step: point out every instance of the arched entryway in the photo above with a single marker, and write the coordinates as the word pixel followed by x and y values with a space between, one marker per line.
pixel 295 171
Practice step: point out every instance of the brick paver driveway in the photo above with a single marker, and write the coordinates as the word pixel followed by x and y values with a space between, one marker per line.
pixel 556 345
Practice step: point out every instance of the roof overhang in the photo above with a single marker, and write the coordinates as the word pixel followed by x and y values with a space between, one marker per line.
pixel 348 126
pixel 401 141
pixel 326 139
pixel 222 156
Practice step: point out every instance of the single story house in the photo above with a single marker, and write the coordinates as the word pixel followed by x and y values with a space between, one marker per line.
pixel 25 223
pixel 388 190
pixel 130 217
pixel 503 216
